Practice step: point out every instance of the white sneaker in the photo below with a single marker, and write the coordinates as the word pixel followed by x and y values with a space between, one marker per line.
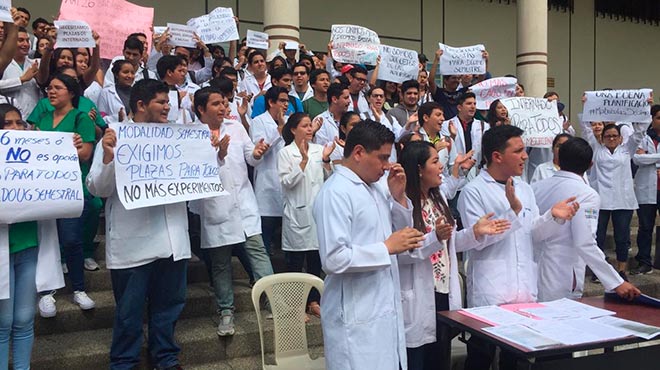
pixel 65 270
pixel 82 299
pixel 47 306
pixel 90 264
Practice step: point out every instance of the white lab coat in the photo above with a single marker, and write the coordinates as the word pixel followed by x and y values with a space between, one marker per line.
pixel 361 310
pixel 109 78
pixel 49 274
pixel 139 236
pixel 329 129
pixel 109 104
pixel 23 96
pixel 501 269
pixel 443 154
pixel 561 257
pixel 362 103
pixel 646 179
pixel 308 93
pixel 227 220
pixel 476 133
pixel 93 91
pixel 250 85
pixel 299 189
pixel 267 185
pixel 547 170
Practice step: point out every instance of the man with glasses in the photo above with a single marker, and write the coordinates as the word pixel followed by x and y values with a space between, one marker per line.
pixel 280 77
pixel 357 78
pixel 301 88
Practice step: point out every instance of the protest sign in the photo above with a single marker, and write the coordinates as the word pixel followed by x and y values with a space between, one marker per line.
pixel 397 65
pixel 5 11
pixel 464 60
pixel 159 164
pixel 354 44
pixel 217 26
pixel 112 29
pixel 181 35
pixel 489 90
pixel 257 40
pixel 537 117
pixel 617 106
pixel 40 176
pixel 159 30
pixel 74 34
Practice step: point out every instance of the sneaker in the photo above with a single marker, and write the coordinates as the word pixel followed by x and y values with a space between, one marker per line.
pixel 623 275
pixel 47 306
pixel 91 265
pixel 594 279
pixel 82 299
pixel 226 326
pixel 65 270
pixel 642 269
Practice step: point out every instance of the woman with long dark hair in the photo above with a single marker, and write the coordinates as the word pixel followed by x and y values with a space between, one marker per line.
pixel 498 114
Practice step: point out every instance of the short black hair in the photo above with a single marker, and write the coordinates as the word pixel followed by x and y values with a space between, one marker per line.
pixel 169 63
pixel 37 22
pixel 278 73
pixel 223 84
pixel 409 84
pixel 4 109
pixel 426 109
pixel 370 134
pixel 314 75
pixel 465 96
pixel 343 121
pixel 117 66
pixel 72 86
pixel 575 156
pixel 228 71
pixel 549 94
pixel 145 91
pixel 559 136
pixel 133 43
pixel 299 64
pixel 138 34
pixel 202 98
pixel 335 90
pixel 611 126
pixel 655 109
pixel 273 93
pixel 495 140
pixel 357 69
pixel 21 9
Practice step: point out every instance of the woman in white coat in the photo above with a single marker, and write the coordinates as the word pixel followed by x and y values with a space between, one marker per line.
pixel 302 167
pixel 113 102
pixel 438 271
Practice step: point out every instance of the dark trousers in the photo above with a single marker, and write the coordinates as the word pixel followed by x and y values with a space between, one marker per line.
pixel 162 285
pixel 295 262
pixel 426 357
pixel 269 227
pixel 71 237
pixel 480 355
pixel 621 224
pixel 646 214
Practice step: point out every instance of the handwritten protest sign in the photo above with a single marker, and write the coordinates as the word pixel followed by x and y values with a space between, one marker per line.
pixel 489 90
pixel 74 34
pixel 181 35
pixel 40 176
pixel 257 40
pixel 397 65
pixel 217 26
pixel 112 29
pixel 354 44
pixel 617 106
pixel 460 61
pixel 159 163
pixel 537 117
pixel 5 11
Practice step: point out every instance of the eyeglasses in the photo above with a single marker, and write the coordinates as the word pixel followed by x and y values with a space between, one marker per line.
pixel 361 80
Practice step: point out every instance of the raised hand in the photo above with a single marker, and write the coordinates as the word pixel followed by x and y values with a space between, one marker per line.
pixel 260 149
pixel 396 180
pixel 109 142
pixel 566 209
pixel 510 192
pixel 221 145
pixel 465 161
pixel 77 141
pixel 403 240
pixel 317 122
pixel 121 116
pixel 328 149
pixel 487 226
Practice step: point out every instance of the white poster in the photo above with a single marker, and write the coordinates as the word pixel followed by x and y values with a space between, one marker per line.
pixel 181 35
pixel 617 106
pixel 40 176
pixel 537 117
pixel 5 11
pixel 217 26
pixel 74 34
pixel 158 163
pixel 461 61
pixel 489 90
pixel 257 40
pixel 397 65
pixel 354 44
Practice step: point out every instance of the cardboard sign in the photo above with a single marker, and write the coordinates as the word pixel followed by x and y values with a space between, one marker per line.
pixel 74 34
pixel 461 61
pixel 217 26
pixel 354 44
pixel 158 163
pixel 181 35
pixel 113 20
pixel 488 91
pixel 257 40
pixel 537 117
pixel 617 106
pixel 5 11
pixel 397 65
pixel 40 176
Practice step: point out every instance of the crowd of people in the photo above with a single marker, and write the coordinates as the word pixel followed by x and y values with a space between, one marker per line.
pixel 379 187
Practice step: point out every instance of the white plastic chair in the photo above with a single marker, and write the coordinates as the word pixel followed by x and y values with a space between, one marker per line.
pixel 287 294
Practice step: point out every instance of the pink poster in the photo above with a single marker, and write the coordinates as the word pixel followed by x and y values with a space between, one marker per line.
pixel 114 20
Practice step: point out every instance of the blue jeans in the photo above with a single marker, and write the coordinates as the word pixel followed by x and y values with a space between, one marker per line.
pixel 221 268
pixel 71 236
pixel 162 285
pixel 646 214
pixel 621 224
pixel 17 312
pixel 269 227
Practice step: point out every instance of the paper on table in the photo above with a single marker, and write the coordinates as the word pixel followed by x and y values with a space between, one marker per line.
pixel 494 315
pixel 633 327
pixel 602 331
pixel 523 336
pixel 563 333
pixel 564 308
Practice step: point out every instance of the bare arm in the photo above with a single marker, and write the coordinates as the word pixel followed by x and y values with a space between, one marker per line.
pixel 9 46
pixel 95 62
pixel 433 71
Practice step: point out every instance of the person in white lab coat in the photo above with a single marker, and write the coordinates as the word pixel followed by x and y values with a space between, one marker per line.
pixel 259 81
pixel 232 220
pixel 326 124
pixel 267 128
pixel 114 99
pixel 561 257
pixel 147 249
pixel 438 270
pixel 355 215
pixel 348 120
pixel 502 269
pixel 172 70
pixel 547 169
pixel 302 167
pixel 357 78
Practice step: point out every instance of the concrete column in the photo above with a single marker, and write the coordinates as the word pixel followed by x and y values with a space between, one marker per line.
pixel 532 52
pixel 281 21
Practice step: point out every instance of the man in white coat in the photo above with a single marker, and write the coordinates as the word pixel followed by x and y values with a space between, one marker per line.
pixel 361 310
pixel 147 250
pixel 561 258
pixel 502 269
